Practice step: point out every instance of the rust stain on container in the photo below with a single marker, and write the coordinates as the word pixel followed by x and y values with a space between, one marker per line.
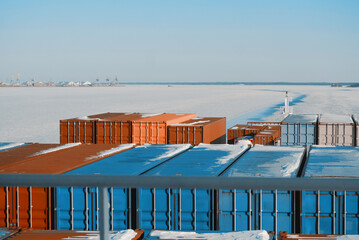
pixel 30 207
pixel 198 130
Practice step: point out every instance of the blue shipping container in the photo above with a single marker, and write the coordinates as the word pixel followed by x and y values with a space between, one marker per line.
pixel 299 129
pixel 241 210
pixel 331 212
pixel 186 209
pixel 77 208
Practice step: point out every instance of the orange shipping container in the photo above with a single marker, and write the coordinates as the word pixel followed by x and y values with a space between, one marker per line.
pixel 267 137
pixel 198 130
pixel 30 207
pixel 235 132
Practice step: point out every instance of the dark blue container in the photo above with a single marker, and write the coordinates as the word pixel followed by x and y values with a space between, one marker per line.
pixel 241 210
pixel 299 129
pixel 9 145
pixel 331 212
pixel 77 208
pixel 186 209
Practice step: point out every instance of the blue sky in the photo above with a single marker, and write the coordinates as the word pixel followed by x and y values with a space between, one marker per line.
pixel 165 41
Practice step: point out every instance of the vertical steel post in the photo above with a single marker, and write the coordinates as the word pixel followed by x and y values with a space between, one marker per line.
pixel 104 223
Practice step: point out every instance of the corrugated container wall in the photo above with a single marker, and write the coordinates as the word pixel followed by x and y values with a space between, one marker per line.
pixel 120 128
pixel 331 212
pixel 198 130
pixel 186 209
pixel 268 136
pixel 235 132
pixel 299 129
pixel 356 120
pixel 336 130
pixel 241 210
pixel 31 207
pixel 76 207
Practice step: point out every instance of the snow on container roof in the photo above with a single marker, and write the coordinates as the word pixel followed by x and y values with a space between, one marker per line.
pixel 213 235
pixel 331 118
pixel 300 119
pixel 268 161
pixel 8 145
pixel 329 161
pixel 202 160
pixel 195 122
pixel 22 153
pixel 65 160
pixel 134 161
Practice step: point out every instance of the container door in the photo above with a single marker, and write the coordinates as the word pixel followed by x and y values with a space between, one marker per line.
pixel 119 208
pixel 349 212
pixel 122 132
pixel 319 212
pixel 235 210
pixel 307 134
pixel 155 209
pixel 193 209
pixel 274 210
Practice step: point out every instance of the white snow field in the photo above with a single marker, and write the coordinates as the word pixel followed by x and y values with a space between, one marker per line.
pixel 33 114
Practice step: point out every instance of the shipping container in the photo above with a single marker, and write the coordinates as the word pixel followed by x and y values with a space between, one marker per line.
pixel 297 236
pixel 269 136
pixel 356 120
pixel 76 207
pixel 272 210
pixel 9 145
pixel 31 207
pixel 28 234
pixel 198 130
pixel 120 128
pixel 185 209
pixel 299 129
pixel 336 130
pixel 236 132
pixel 331 212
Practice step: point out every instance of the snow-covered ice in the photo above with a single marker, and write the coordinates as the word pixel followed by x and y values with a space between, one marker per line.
pixel 243 235
pixel 33 114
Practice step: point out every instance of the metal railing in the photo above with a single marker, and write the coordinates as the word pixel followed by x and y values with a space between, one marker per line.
pixel 105 181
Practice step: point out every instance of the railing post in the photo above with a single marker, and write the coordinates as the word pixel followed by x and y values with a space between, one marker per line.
pixel 104 221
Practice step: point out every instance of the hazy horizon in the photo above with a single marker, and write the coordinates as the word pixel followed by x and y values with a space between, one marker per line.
pixel 180 41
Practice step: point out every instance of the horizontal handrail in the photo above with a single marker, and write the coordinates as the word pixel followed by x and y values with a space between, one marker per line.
pixel 264 183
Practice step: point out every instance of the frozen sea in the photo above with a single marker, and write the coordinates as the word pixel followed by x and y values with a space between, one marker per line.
pixel 33 114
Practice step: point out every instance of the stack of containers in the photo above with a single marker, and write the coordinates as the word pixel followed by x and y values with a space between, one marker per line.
pixel 356 120
pixel 268 136
pixel 336 130
pixel 186 209
pixel 299 129
pixel 76 207
pixel 236 132
pixel 331 212
pixel 120 128
pixel 241 210
pixel 31 207
pixel 198 130
pixel 5 146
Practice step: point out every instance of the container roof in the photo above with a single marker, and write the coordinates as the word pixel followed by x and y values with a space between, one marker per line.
pixel 300 118
pixel 169 118
pixel 202 160
pixel 331 161
pixel 238 126
pixel 22 153
pixel 331 118
pixel 268 161
pixel 134 161
pixel 196 122
pixel 8 145
pixel 64 160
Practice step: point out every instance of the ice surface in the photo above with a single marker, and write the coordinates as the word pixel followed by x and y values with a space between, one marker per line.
pixel 103 154
pixel 33 114
pixel 333 161
pixel 10 145
pixel 267 161
pixel 62 147
pixel 174 235
pixel 348 237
